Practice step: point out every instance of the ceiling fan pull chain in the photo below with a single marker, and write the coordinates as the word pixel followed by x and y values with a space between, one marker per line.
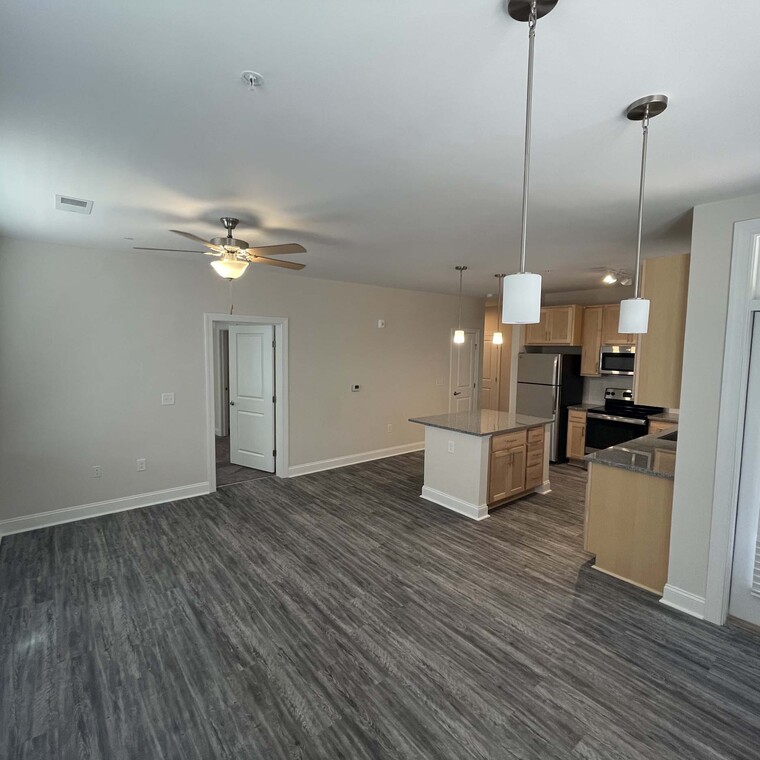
pixel 231 304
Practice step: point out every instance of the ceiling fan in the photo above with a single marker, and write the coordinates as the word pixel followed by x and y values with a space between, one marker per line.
pixel 235 255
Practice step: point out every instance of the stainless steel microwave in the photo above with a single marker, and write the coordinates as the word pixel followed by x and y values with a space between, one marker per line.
pixel 617 360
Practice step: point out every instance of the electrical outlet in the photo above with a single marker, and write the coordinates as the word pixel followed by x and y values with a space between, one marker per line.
pixel 97 471
pixel 141 465
pixel 389 428
pixel 355 388
pixel 451 447
pixel 380 324
pixel 167 399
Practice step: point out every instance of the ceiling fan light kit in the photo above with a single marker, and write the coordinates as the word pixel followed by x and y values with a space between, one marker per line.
pixel 634 312
pixel 229 267
pixel 521 293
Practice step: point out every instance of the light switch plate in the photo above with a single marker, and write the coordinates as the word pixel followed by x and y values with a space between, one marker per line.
pixel 451 447
pixel 167 399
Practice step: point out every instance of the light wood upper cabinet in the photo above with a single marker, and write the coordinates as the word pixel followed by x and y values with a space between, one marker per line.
pixel 659 357
pixel 559 326
pixel 592 340
pixel 610 334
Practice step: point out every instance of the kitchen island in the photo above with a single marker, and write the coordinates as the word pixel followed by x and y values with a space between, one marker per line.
pixel 475 461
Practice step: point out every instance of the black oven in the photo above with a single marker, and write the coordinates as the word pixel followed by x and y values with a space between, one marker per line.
pixel 617 360
pixel 604 430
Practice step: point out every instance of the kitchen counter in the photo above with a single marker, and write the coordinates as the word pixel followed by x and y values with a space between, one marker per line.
pixel 482 422
pixel 585 407
pixel 650 455
pixel 665 417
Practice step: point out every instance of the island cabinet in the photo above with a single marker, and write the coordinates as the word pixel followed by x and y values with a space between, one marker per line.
pixel 559 326
pixel 516 465
pixel 576 434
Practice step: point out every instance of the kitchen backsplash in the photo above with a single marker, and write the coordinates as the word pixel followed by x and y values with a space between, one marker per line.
pixel 594 387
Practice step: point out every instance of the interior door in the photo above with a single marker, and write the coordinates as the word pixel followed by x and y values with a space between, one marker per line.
pixel 745 580
pixel 251 353
pixel 489 384
pixel 464 373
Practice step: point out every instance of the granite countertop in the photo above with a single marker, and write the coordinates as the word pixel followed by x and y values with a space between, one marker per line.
pixel 482 422
pixel 665 417
pixel 585 407
pixel 650 455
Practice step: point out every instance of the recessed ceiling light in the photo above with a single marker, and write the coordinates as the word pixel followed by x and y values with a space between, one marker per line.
pixel 77 205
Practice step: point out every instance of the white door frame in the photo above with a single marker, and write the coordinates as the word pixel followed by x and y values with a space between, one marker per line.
pixel 478 365
pixel 281 388
pixel 742 303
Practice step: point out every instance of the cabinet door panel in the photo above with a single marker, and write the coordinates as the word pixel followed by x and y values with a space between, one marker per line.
pixel 592 341
pixel 516 477
pixel 576 440
pixel 535 334
pixel 560 328
pixel 610 334
pixel 498 476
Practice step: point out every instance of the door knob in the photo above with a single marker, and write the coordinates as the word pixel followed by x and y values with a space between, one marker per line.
pixel 232 403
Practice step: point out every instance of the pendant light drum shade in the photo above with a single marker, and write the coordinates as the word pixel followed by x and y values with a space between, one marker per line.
pixel 458 336
pixel 521 298
pixel 498 338
pixel 634 316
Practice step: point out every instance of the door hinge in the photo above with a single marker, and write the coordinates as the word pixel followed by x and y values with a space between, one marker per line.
pixel 274 453
pixel 274 344
pixel 274 399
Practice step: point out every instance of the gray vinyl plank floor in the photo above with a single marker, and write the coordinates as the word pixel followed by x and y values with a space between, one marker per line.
pixel 338 615
pixel 229 474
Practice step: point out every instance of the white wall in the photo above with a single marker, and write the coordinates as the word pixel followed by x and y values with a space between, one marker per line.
pixel 700 395
pixel 90 338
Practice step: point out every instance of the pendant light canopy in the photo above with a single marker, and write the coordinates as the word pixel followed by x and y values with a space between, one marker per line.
pixel 522 292
pixel 634 312
pixel 498 336
pixel 459 332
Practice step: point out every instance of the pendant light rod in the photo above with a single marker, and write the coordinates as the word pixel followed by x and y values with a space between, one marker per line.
pixel 460 269
pixel 642 110
pixel 500 278
pixel 532 18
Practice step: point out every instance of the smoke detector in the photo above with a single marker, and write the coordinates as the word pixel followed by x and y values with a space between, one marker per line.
pixel 77 205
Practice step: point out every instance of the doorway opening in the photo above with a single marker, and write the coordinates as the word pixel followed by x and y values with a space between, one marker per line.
pixel 246 398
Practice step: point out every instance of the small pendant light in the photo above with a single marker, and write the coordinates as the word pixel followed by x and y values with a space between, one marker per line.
pixel 459 332
pixel 498 336
pixel 522 292
pixel 634 312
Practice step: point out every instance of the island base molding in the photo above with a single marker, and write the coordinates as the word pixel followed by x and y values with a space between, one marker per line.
pixel 466 508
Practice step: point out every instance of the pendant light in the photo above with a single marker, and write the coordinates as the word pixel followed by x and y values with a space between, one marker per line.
pixel 634 312
pixel 459 332
pixel 522 292
pixel 498 336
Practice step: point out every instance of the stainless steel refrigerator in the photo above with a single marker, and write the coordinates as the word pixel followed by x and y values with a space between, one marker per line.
pixel 546 385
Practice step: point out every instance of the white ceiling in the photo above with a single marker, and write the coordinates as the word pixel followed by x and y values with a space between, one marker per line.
pixel 388 135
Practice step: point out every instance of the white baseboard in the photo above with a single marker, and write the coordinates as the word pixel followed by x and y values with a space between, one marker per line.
pixel 544 488
pixel 684 601
pixel 365 456
pixel 473 511
pixel 82 512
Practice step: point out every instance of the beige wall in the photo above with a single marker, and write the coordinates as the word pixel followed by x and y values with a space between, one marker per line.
pixel 701 389
pixel 89 339
pixel 589 297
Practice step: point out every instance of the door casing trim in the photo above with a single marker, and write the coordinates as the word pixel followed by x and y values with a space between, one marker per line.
pixel 280 325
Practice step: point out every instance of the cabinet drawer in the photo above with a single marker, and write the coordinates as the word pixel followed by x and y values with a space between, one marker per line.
pixel 534 476
pixel 536 435
pixel 535 456
pixel 507 441
pixel 576 415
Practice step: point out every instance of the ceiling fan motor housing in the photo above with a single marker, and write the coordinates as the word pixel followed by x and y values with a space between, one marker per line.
pixel 229 243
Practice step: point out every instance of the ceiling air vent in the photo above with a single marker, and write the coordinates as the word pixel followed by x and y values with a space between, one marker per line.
pixel 78 205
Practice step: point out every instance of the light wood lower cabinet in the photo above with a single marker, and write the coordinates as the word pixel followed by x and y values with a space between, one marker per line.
pixel 576 434
pixel 516 465
pixel 659 426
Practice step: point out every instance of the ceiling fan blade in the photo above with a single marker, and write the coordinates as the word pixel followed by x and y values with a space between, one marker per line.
pixel 277 250
pixel 275 262
pixel 175 250
pixel 190 236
